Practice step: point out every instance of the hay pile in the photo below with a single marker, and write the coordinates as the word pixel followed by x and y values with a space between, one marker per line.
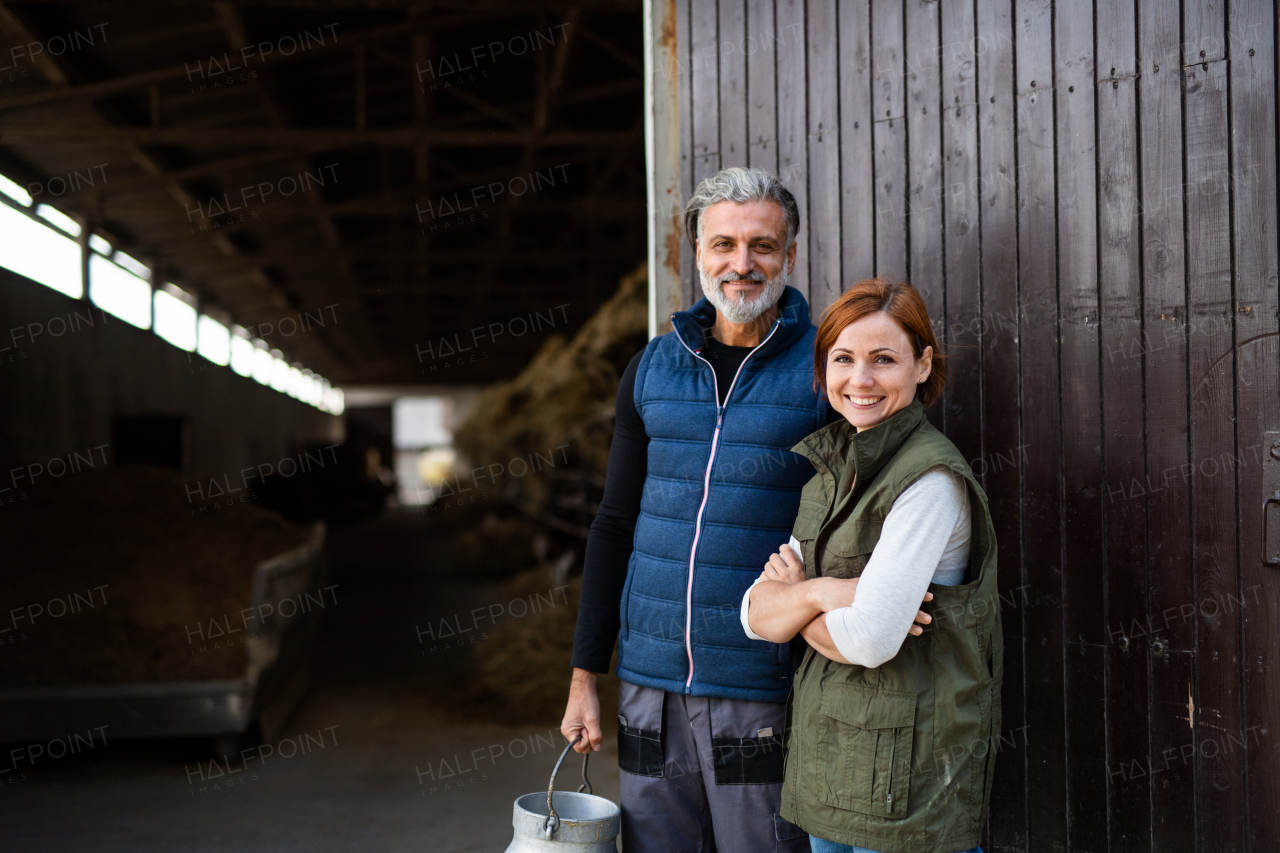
pixel 521 670
pixel 155 567
pixel 565 395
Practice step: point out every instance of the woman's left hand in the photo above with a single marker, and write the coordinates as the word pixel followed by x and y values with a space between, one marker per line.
pixel 784 567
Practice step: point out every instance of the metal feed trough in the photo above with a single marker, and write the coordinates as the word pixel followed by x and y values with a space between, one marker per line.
pixel 273 682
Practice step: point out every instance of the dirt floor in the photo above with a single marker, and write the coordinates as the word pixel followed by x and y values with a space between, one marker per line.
pixel 382 755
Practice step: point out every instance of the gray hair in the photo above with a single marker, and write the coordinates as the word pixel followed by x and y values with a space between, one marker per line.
pixel 739 185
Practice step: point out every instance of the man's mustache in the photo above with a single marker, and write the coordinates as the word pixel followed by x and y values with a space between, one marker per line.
pixel 754 275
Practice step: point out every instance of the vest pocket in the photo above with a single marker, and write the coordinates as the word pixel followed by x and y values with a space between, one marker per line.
pixel 864 749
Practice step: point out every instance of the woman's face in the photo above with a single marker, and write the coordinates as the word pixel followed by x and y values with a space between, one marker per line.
pixel 872 372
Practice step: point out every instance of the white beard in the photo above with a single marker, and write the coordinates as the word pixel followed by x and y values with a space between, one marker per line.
pixel 741 311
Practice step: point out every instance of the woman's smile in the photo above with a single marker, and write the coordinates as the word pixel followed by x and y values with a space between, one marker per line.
pixel 872 372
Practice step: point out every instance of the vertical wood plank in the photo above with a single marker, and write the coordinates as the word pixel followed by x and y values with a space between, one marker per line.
pixel 704 70
pixel 824 156
pixel 665 190
pixel 889 133
pixel 733 82
pixel 1219 796
pixel 1129 770
pixel 1041 501
pixel 1163 347
pixel 1203 37
pixel 793 160
pixel 924 152
pixel 1084 580
pixel 922 106
pixel 1002 402
pixel 857 183
pixel 962 194
pixel 762 105
pixel 1257 307
pixel 690 289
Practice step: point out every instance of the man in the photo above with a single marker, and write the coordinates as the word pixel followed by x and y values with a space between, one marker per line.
pixel 701 489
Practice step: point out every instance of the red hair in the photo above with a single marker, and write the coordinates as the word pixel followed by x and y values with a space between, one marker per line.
pixel 900 301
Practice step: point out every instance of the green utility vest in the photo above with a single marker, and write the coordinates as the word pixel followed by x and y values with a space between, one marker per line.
pixel 898 758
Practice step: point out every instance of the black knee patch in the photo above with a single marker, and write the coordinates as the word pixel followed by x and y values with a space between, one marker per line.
pixel 747 760
pixel 639 751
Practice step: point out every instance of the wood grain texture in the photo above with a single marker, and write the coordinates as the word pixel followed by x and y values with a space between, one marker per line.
pixel 1219 771
pixel 1163 348
pixel 1257 309
pixel 689 278
pixel 732 41
pixel 889 134
pixel 704 104
pixel 823 117
pixel 1002 404
pixel 1129 655
pixel 857 182
pixel 1041 406
pixel 793 148
pixel 1084 581
pixel 960 327
pixel 761 44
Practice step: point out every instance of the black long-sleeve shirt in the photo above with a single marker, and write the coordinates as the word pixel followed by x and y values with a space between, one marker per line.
pixel 609 544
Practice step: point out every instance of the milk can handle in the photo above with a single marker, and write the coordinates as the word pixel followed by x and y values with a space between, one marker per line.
pixel 553 820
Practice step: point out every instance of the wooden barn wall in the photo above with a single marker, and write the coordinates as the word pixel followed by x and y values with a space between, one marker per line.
pixel 1086 195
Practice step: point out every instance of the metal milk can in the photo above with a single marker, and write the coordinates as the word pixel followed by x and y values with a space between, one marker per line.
pixel 565 821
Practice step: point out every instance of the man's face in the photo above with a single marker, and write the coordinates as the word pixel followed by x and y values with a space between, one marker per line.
pixel 742 250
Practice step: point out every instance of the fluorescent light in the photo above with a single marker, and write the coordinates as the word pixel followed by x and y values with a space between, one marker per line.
pixel 263 364
pixel 241 355
pixel 213 340
pixel 98 244
pixel 58 219
pixel 32 249
pixel 175 321
pixel 15 191
pixel 334 402
pixel 133 265
pixel 279 371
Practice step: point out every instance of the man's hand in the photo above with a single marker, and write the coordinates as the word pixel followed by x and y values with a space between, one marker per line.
pixel 582 714
pixel 784 567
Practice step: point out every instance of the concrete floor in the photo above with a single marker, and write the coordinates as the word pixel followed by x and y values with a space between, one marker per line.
pixel 379 758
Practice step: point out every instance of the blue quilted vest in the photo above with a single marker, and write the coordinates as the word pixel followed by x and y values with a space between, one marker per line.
pixel 721 495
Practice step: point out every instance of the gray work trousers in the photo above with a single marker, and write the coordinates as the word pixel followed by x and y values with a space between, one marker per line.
pixel 701 774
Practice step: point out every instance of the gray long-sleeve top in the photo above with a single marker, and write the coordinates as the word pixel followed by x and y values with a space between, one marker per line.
pixel 924 538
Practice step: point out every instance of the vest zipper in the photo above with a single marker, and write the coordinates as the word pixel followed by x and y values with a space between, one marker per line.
pixel 893 754
pixel 706 487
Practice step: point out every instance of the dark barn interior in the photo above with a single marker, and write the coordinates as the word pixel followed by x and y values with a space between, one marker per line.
pixel 405 201
pixel 312 320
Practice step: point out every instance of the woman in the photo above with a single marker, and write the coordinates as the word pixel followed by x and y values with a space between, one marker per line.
pixel 892 725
